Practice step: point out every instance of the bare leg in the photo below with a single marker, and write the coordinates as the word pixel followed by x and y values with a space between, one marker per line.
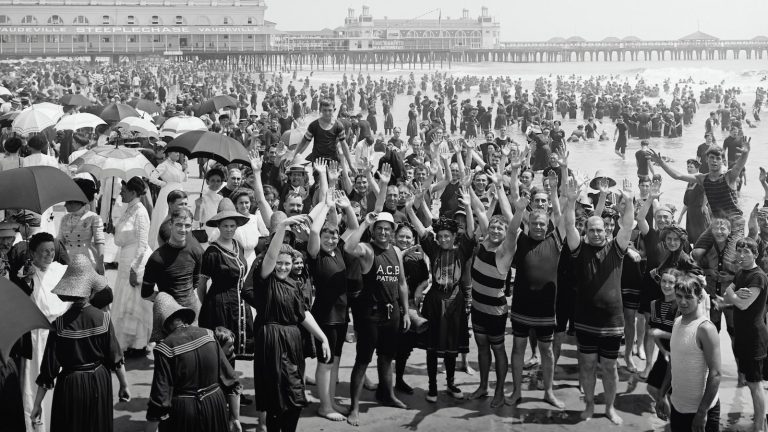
pixel 325 381
pixel 355 390
pixel 650 351
pixel 610 378
pixel 548 372
pixel 386 391
pixel 484 363
pixel 587 379
pixel 518 356
pixel 557 345
pixel 500 357
pixel 758 403
pixel 629 338
pixel 640 335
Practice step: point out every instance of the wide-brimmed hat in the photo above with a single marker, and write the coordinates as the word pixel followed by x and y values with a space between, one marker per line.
pixel 227 210
pixel 297 167
pixel 167 308
pixel 599 175
pixel 385 217
pixel 80 279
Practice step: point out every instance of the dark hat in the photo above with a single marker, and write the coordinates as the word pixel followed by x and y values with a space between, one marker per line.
pixel 136 184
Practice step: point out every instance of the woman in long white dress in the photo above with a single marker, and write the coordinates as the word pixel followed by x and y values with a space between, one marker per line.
pixel 131 314
pixel 208 204
pixel 41 278
pixel 170 175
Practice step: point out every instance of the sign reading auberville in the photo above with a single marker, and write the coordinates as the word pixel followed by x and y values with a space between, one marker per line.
pixel 153 30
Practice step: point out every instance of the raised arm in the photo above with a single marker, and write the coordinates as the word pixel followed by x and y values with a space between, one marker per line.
pixel 385 174
pixel 572 236
pixel 733 174
pixel 352 243
pixel 627 217
pixel 258 188
pixel 270 258
pixel 656 157
pixel 313 245
pixel 466 201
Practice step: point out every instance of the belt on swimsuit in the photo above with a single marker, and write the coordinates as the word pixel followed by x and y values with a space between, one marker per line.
pixel 89 367
pixel 200 394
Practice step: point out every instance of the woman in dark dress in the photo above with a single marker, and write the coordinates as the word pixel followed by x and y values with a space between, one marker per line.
pixel 279 362
pixel 412 129
pixel 225 265
pixel 79 356
pixel 445 303
pixel 694 206
pixel 193 382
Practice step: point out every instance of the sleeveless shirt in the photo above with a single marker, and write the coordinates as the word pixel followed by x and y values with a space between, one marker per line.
pixel 722 199
pixel 382 282
pixel 689 368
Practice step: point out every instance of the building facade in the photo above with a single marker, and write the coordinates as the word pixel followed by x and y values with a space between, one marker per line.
pixel 365 33
pixel 114 27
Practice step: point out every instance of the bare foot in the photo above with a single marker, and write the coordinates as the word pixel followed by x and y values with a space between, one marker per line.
pixel 549 396
pixel 498 399
pixel 466 368
pixel 631 368
pixel 479 393
pixel 330 415
pixel 589 410
pixel 514 398
pixel 339 408
pixel 390 400
pixel 610 412
pixel 353 418
pixel 641 353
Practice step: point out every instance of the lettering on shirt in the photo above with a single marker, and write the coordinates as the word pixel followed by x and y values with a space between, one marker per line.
pixel 387 274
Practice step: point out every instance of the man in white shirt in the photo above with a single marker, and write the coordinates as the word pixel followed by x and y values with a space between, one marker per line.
pixel 38 144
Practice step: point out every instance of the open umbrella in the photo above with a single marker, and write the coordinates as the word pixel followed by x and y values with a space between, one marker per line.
pixel 75 99
pixel 32 120
pixel 115 112
pixel 216 103
pixel 175 126
pixel 20 315
pixel 139 126
pixel 79 121
pixel 210 145
pixel 145 105
pixel 37 188
pixel 54 111
pixel 110 161
pixel 5 92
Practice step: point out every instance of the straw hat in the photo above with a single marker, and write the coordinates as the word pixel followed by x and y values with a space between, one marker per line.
pixel 80 279
pixel 166 308
pixel 599 175
pixel 385 217
pixel 227 211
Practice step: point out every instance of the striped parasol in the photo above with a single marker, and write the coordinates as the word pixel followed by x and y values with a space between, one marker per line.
pixel 110 161
pixel 32 120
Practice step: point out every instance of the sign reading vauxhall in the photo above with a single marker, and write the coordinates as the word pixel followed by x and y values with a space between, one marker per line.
pixel 52 29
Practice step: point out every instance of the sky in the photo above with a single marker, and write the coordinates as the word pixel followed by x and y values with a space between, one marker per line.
pixel 540 20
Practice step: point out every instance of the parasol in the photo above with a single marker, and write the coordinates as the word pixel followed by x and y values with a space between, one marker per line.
pixel 20 315
pixel 216 103
pixel 54 111
pixel 145 105
pixel 139 126
pixel 32 120
pixel 75 99
pixel 210 145
pixel 78 121
pixel 115 112
pixel 110 161
pixel 37 188
pixel 175 126
pixel 5 92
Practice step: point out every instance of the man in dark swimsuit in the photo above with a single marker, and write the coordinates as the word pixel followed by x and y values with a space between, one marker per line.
pixel 380 311
pixel 326 133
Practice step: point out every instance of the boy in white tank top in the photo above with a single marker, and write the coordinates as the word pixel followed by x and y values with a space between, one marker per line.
pixel 694 375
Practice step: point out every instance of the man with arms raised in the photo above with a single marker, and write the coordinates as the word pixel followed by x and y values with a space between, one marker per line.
pixel 599 317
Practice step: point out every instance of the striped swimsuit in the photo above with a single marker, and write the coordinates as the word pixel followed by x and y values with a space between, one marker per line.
pixel 489 304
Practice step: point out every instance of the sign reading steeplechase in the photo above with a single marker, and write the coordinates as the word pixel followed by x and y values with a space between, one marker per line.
pixel 149 30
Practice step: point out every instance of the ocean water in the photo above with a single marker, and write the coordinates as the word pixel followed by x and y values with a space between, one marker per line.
pixel 587 157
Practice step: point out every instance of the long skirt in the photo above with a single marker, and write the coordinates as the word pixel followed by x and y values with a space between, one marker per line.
pixel 227 309
pixel 131 314
pixel 279 369
pixel 447 331
pixel 193 414
pixel 82 402
pixel 11 407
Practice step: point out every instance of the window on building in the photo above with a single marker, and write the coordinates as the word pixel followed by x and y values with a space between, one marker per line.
pixel 156 38
pixel 226 37
pixel 227 20
pixel 251 20
pixel 53 20
pixel 155 20
pixel 106 20
pixel 132 39
pixel 29 19
pixel 179 20
pixel 131 20
pixel 80 20
pixel 105 39
pixel 5 19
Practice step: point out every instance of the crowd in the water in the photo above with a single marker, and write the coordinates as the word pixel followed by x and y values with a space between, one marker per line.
pixel 451 232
